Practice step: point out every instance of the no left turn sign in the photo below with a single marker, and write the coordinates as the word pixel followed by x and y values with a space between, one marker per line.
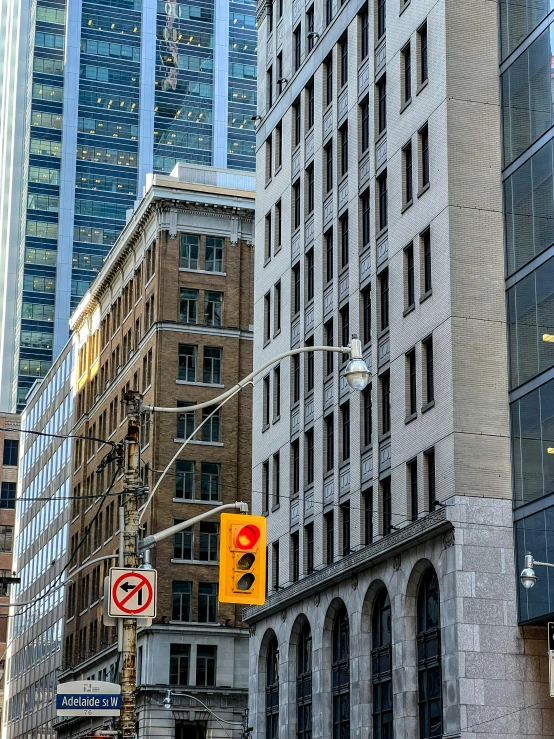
pixel 132 593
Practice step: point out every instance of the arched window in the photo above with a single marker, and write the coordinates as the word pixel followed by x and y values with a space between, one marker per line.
pixel 341 676
pixel 381 667
pixel 304 683
pixel 429 656
pixel 272 690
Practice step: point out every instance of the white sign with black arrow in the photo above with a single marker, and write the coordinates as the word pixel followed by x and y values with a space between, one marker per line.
pixel 132 593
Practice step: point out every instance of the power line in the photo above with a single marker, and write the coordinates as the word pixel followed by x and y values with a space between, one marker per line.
pixel 60 436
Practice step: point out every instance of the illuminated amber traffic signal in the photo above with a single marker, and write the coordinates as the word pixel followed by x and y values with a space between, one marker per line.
pixel 242 559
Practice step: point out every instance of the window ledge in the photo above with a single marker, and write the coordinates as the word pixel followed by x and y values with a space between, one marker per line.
pixel 410 418
pixel 200 502
pixel 426 295
pixel 275 507
pixel 407 206
pixel 194 562
pixel 408 310
pixel 276 334
pixel 81 613
pixel 193 441
pixel 198 384
pixel 427 406
pixel 384 437
pixel 382 232
pixel 423 189
pixel 405 105
pixel 267 342
pixel 383 332
pixel 276 418
pixel 403 7
pixel 108 540
pixel 203 271
pixel 70 619
pixel 96 602
pixel 422 86
pixel 277 249
pixel 265 427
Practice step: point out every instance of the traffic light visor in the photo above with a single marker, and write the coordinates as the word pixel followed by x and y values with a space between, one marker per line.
pixel 247 537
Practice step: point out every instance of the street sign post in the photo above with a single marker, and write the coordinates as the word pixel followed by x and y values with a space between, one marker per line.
pixel 88 698
pixel 132 593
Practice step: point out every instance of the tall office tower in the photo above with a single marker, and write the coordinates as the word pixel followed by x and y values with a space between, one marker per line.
pixel 114 90
pixel 170 315
pixel 34 655
pixel 393 588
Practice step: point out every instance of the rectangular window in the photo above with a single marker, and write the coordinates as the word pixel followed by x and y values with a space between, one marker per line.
pixel 422 43
pixel 384 298
pixel 181 601
pixel 277 393
pixel 409 277
pixel 295 466
pixel 328 11
pixel 382 105
pixel 207 602
pixel 187 362
pixel 213 308
pixel 310 189
pixel 411 469
pixel 343 133
pixel 179 659
pixel 206 666
pixel 295 362
pixel 329 255
pixel 268 235
pixel 11 453
pixel 386 498
pixel 310 27
pixel 276 564
pixel 408 174
pixel 269 87
pixel 364 115
pixel 267 317
pixel 276 479
pixel 212 365
pixel 296 288
pixel 211 430
pixel 329 356
pixel 186 422
pixel 329 442
pixel 344 252
pixel 265 485
pixel 210 481
pixel 296 118
pixel 209 541
pixel 214 254
pixel 184 479
pixel 429 385
pixel 309 537
pixel 296 204
pixel 406 73
pixel 280 80
pixel 345 516
pixel 297 45
pixel 381 18
pixel 309 438
pixel 329 167
pixel 188 309
pixel 309 275
pixel 345 328
pixel 425 246
pixel 310 104
pixel 6 538
pixel 278 226
pixel 345 424
pixel 268 158
pixel 366 315
pixel 7 495
pixel 189 251
pixel 367 497
pixel 383 201
pixel 430 474
pixel 411 395
pixel 295 556
pixel 309 367
pixel 329 538
pixel 265 402
pixel 424 149
pixel 278 145
pixel 343 50
pixel 329 80
pixel 385 403
pixel 367 410
pixel 364 34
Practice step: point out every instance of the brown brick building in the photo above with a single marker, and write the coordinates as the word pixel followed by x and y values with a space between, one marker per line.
pixel 9 457
pixel 170 314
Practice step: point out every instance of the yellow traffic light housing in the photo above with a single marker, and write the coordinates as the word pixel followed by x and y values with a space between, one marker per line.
pixel 242 553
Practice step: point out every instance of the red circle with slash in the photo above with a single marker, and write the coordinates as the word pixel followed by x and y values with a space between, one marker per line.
pixel 143 581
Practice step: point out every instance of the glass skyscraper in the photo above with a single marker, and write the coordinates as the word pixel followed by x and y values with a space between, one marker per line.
pixel 115 89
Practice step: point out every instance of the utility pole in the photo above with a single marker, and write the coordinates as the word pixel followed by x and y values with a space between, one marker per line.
pixel 130 559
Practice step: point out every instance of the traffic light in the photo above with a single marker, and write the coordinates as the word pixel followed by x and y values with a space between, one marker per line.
pixel 242 556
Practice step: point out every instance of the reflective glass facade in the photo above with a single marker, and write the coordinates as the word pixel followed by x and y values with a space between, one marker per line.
pixel 95 128
pixel 526 83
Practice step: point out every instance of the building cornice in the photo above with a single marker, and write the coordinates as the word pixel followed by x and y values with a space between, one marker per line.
pixel 418 531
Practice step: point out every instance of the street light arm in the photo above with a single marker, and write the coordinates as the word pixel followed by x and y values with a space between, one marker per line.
pixel 150 541
pixel 544 564
pixel 249 378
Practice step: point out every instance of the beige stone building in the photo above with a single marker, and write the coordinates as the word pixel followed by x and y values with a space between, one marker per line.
pixel 170 314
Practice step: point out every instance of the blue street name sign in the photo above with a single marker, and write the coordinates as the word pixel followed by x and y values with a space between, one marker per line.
pixel 88 698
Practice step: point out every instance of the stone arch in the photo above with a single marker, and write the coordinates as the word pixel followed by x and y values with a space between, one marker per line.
pixel 300 623
pixel 326 682
pixel 365 642
pixel 267 638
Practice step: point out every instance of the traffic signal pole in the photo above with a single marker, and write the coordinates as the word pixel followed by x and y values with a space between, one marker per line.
pixel 130 559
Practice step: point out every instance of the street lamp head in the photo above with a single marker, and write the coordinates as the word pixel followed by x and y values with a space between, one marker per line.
pixel 528 577
pixel 356 371
pixel 167 703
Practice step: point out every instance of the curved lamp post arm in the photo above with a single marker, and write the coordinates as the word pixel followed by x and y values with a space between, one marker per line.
pixel 353 350
pixel 528 577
